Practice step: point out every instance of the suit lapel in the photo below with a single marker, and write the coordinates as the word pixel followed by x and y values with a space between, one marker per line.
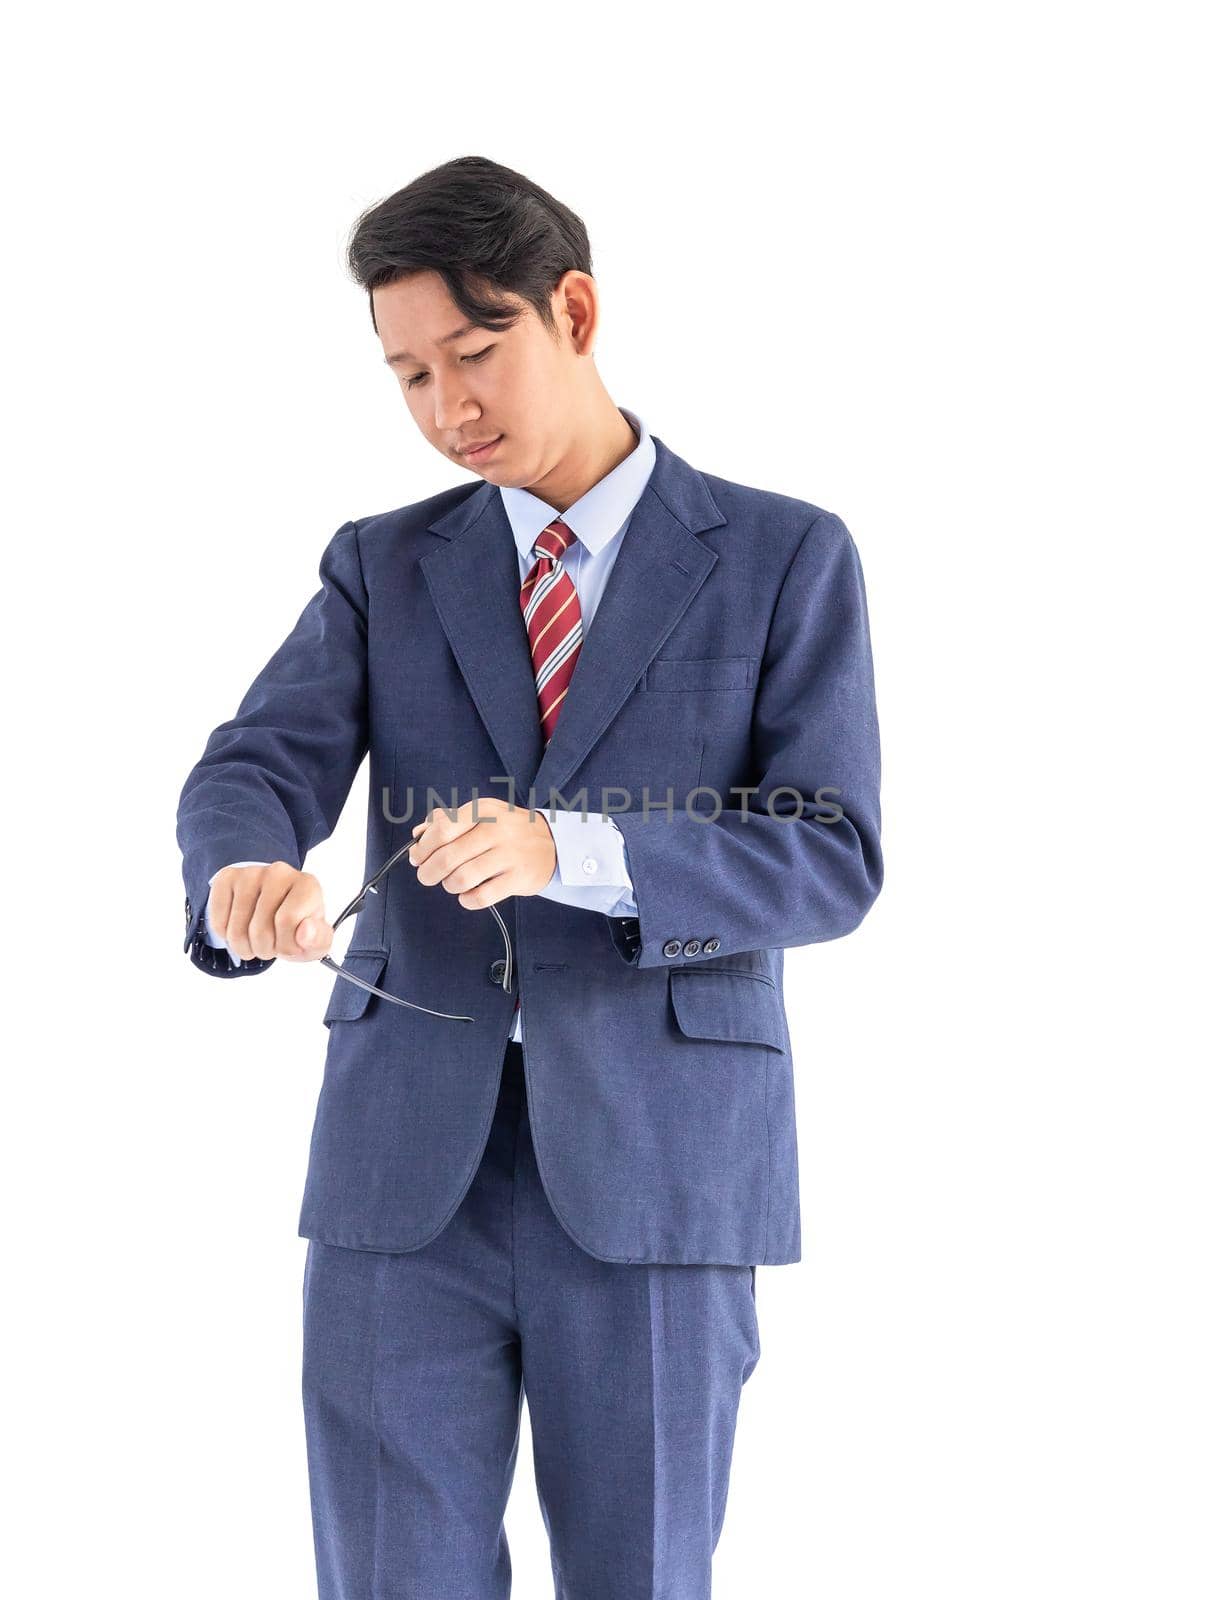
pixel 474 580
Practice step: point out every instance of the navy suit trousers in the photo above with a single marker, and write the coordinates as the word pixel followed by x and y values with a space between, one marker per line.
pixel 416 1365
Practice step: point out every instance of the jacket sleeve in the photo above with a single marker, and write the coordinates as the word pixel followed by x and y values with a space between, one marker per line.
pixel 798 860
pixel 272 781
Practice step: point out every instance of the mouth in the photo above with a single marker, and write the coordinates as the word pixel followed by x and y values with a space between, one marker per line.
pixel 482 452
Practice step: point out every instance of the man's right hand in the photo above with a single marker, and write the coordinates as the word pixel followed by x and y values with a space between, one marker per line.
pixel 271 910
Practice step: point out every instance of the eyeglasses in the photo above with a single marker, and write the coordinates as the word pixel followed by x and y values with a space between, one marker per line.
pixel 370 887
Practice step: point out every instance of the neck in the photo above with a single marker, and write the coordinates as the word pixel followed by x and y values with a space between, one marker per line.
pixel 599 443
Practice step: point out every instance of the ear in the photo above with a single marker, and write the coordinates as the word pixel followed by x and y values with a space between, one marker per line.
pixel 577 309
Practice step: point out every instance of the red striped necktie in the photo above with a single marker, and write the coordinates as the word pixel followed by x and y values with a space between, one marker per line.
pixel 553 620
pixel 554 623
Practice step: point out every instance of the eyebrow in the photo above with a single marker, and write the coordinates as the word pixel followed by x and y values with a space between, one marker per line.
pixel 448 338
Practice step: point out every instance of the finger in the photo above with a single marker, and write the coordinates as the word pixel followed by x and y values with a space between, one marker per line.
pixel 219 905
pixel 428 836
pixel 277 883
pixel 445 860
pixel 491 890
pixel 312 938
pixel 475 870
pixel 245 887
pixel 441 827
pixel 302 932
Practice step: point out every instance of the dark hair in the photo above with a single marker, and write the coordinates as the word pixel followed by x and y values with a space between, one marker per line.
pixel 482 227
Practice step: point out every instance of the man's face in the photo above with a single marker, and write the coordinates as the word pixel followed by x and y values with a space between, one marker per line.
pixel 516 386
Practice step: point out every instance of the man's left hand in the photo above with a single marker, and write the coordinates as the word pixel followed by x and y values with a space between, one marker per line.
pixel 484 852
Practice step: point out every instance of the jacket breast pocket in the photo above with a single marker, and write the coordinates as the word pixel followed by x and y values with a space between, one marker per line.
pixel 709 672
pixel 740 1007
pixel 348 1000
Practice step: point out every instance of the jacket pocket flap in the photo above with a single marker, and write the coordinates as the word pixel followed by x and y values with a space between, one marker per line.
pixel 348 1000
pixel 713 672
pixel 739 1006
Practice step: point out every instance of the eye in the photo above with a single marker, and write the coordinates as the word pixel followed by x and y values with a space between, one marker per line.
pixel 479 355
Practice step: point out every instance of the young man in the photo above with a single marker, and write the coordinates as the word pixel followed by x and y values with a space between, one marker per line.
pixel 555 1167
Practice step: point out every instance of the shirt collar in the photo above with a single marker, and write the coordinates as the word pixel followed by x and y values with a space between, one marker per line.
pixel 597 515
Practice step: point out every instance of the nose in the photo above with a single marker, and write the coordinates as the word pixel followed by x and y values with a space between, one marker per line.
pixel 452 408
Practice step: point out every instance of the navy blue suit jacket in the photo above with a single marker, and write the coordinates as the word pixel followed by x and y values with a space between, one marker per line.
pixel 730 651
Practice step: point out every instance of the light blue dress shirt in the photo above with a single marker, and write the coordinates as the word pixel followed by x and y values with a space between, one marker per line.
pixel 591 869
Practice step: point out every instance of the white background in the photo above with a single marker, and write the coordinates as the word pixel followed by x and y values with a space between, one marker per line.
pixel 944 270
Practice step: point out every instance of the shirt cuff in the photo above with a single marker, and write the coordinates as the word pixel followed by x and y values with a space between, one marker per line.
pixel 591 870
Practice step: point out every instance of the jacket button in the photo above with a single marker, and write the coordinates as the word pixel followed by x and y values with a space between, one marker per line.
pixel 672 948
pixel 710 946
pixel 497 969
pixel 693 947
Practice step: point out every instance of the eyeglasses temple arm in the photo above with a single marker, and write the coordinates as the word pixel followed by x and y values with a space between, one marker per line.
pixel 362 983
